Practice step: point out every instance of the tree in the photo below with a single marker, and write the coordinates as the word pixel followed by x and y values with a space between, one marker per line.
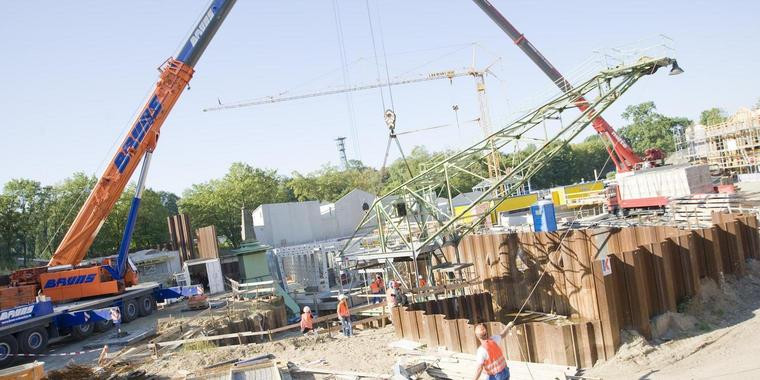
pixel 151 229
pixel 31 202
pixel 67 198
pixel 169 201
pixel 218 201
pixel 9 224
pixel 712 116
pixel 330 183
pixel 650 129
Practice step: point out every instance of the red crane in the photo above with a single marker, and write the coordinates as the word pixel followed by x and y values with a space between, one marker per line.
pixel 624 158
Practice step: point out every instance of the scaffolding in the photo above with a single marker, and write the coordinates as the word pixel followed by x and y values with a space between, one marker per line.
pixel 731 147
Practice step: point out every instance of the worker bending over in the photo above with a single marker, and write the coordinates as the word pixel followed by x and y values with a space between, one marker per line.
pixel 307 321
pixel 344 315
pixel 489 356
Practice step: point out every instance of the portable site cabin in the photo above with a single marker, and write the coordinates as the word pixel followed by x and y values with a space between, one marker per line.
pixel 207 272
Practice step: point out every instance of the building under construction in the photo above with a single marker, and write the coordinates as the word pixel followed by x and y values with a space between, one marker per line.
pixel 731 147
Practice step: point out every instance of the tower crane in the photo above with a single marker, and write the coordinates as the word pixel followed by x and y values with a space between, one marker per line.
pixel 493 160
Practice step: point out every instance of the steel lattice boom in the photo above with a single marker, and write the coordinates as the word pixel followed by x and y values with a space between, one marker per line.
pixel 409 219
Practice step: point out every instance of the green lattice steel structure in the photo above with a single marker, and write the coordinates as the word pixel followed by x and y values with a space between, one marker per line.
pixel 427 226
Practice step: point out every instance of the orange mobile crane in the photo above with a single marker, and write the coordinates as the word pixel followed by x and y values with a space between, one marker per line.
pixel 63 278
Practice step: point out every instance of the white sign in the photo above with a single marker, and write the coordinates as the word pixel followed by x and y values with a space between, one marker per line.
pixel 606 266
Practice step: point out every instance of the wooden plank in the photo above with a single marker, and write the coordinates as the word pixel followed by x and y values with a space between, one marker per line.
pixel 754 236
pixel 468 341
pixel 572 269
pixel 723 248
pixel 429 330
pixel 651 269
pixel 419 317
pixel 696 261
pixel 638 296
pixel 409 324
pixel 665 272
pixel 583 246
pixel 736 247
pixel 609 309
pixel 451 335
pixel 535 339
pixel 584 338
pixel 439 328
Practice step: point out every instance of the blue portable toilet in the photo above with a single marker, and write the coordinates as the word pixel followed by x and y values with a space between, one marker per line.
pixel 544 218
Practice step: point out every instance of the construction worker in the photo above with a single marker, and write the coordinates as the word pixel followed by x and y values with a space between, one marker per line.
pixel 421 281
pixel 380 282
pixel 374 289
pixel 307 321
pixel 344 315
pixel 489 356
pixel 390 294
pixel 401 298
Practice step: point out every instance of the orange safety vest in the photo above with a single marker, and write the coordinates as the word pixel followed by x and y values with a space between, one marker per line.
pixel 306 321
pixel 495 362
pixel 373 287
pixel 343 309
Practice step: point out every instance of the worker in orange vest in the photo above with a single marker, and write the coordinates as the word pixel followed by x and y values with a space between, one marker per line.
pixel 421 281
pixel 344 315
pixel 374 289
pixel 380 282
pixel 307 321
pixel 489 356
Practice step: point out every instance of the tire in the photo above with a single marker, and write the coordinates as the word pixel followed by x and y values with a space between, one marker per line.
pixel 33 341
pixel 8 350
pixel 129 311
pixel 83 331
pixel 145 306
pixel 105 325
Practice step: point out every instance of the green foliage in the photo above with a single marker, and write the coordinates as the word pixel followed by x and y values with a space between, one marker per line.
pixel 712 116
pixel 151 229
pixel 219 201
pixel 35 218
pixel 330 183
pixel 650 129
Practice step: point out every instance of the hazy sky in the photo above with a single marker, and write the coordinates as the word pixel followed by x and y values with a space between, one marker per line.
pixel 73 73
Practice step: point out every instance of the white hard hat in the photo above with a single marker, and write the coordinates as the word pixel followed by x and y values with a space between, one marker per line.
pixel 342 297
pixel 420 277
pixel 306 309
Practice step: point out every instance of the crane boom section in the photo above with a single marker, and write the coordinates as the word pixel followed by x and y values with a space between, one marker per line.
pixel 623 156
pixel 143 136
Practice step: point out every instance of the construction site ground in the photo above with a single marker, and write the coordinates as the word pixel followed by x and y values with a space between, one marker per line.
pixel 715 336
pixel 57 360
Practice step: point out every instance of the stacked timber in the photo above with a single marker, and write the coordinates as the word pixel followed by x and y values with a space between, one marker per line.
pixel 697 209
pixel 17 295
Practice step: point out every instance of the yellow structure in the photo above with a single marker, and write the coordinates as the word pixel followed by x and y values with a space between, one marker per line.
pixel 517 202
pixel 578 194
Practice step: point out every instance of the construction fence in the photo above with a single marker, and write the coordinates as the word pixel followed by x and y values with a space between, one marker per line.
pixel 602 280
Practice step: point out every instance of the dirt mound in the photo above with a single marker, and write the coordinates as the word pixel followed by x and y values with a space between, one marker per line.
pixel 72 372
pixel 716 335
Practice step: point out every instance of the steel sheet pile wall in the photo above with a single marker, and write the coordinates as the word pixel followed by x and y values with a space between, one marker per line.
pixel 451 323
pixel 652 270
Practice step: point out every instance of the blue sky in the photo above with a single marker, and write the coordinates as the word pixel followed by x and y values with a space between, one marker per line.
pixel 73 73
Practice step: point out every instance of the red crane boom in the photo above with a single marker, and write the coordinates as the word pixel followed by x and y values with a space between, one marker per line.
pixel 624 158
